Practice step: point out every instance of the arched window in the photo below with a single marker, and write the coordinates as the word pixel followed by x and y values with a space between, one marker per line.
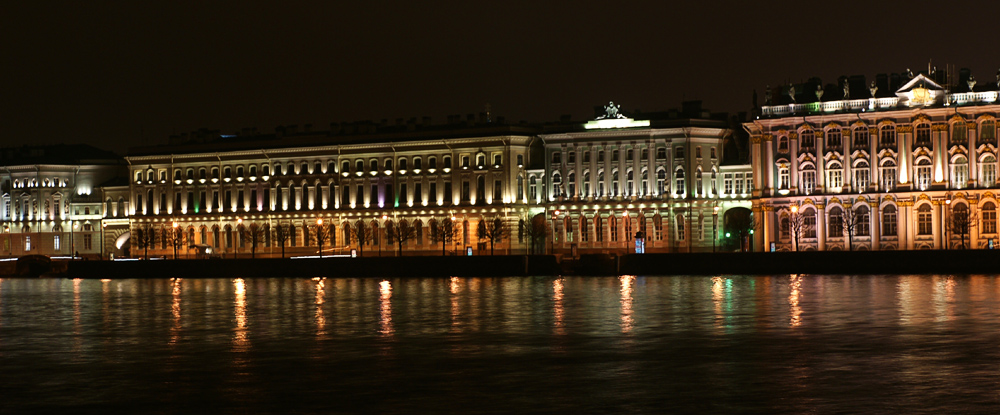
pixel 988 171
pixel 862 220
pixel 861 137
pixel 835 222
pixel 988 132
pixel 923 176
pixel 889 220
pixel 989 218
pixel 959 172
pixel 959 133
pixel 887 136
pixel 809 223
pixel 807 140
pixel 922 137
pixel 862 175
pixel 833 139
pixel 661 181
pixel 783 144
pixel 571 179
pixel 679 182
pixel 924 220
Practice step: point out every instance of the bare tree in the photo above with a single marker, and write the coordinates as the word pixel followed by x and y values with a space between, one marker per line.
pixel 281 235
pixel 399 233
pixel 254 234
pixel 743 223
pixel 852 222
pixel 444 231
pixel 361 234
pixel 495 230
pixel 797 225
pixel 144 236
pixel 961 221
pixel 176 239
pixel 322 235
pixel 535 231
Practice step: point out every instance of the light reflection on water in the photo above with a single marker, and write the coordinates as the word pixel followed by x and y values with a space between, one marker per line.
pixel 781 344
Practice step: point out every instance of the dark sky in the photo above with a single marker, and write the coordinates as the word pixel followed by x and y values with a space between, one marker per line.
pixel 132 73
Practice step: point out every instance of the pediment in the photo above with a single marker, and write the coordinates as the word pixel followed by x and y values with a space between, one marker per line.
pixel 920 81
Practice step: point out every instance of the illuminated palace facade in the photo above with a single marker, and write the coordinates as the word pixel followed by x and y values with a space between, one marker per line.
pixel 904 163
pixel 361 174
pixel 54 200
pixel 663 179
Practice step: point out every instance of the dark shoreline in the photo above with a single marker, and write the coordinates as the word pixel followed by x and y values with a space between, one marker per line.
pixel 856 263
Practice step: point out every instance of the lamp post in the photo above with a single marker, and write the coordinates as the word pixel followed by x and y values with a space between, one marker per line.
pixel 319 235
pixel 173 238
pixel 715 226
pixel 236 251
pixel 379 237
pixel 947 205
pixel 453 238
pixel 104 227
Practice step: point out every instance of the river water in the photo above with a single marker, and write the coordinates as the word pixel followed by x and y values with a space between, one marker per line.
pixel 778 344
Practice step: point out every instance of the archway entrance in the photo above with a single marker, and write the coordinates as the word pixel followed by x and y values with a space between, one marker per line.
pixel 738 226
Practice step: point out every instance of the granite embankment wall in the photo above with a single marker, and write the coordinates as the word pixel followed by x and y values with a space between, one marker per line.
pixel 388 267
pixel 851 263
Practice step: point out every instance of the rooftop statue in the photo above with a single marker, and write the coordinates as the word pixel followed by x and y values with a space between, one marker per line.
pixel 767 91
pixel 611 111
pixel 873 89
pixel 971 82
pixel 819 93
pixel 847 89
pixel 791 92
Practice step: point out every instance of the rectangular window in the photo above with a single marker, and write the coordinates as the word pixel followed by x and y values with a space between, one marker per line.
pixel 27 243
pixel 680 228
pixel 738 182
pixel 55 242
pixel 449 195
pixel 418 194
pixel 497 191
pixel 989 221
pixel 679 152
pixel 87 242
pixel 600 156
pixel 888 222
pixel 809 181
pixel 586 157
pixel 465 191
pixel 809 226
pixel 572 157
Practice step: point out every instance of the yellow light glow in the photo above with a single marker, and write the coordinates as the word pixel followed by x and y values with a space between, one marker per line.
pixel 626 294
pixel 385 307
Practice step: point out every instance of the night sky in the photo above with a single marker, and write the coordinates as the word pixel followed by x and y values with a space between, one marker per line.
pixel 133 73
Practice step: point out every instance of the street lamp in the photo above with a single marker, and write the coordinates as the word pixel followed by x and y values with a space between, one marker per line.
pixel 236 251
pixel 319 235
pixel 104 227
pixel 715 226
pixel 173 238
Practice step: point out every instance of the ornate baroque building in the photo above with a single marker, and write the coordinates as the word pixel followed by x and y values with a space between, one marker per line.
pixel 904 163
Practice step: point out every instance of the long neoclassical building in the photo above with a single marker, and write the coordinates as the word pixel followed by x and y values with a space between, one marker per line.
pixel 905 162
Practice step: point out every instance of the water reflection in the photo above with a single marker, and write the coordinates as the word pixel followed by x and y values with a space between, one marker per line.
pixel 175 311
pixel 385 308
pixel 626 291
pixel 241 340
pixel 557 306
pixel 320 299
pixel 794 285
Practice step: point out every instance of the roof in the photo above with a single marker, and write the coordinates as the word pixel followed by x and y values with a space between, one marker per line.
pixel 58 154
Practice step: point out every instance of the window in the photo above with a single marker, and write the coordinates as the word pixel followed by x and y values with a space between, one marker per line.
pixel 373 165
pixel 697 152
pixel 227 172
pixel 833 139
pixel 785 227
pixel 889 221
pixel 586 157
pixel 417 163
pixel 614 156
pixel 447 162
pixel 533 188
pixel 359 166
pixel 862 176
pixel 783 177
pixel 988 170
pixel 520 160
pixel 629 154
pixel 713 152
pixel 661 153
pixel 863 227
pixel 959 133
pixel 809 223
pixel 989 218
pixel 680 227
pixel 923 135
pixel 988 131
pixel 679 182
pixel 834 177
pixel 432 163
pixel 727 183
pixel 345 167
pixel 835 224
pixel 887 136
pixel 88 242
pixel 924 221
pixel 887 180
pixel 861 137
pixel 679 152
pixel 923 175
pixel 402 163
pixel 388 164
pixel 239 171
pixel 783 144
pixel 584 229
pixel 572 157
pixel 808 179
pixel 55 242
pixel 465 162
pixel 600 156
pixel 959 172
pixel 807 140
pixel 698 186
pixel 556 157
pixel 613 225
pixel 661 181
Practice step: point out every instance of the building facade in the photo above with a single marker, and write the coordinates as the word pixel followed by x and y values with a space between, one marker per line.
pixel 53 203
pixel 904 163
pixel 655 184
pixel 354 177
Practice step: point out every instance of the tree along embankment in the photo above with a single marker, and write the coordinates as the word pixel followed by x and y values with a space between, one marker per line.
pixel 385 267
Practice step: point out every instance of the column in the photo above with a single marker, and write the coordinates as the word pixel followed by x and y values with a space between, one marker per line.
pixel 876 225
pixel 905 221
pixel 820 226
pixel 938 224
